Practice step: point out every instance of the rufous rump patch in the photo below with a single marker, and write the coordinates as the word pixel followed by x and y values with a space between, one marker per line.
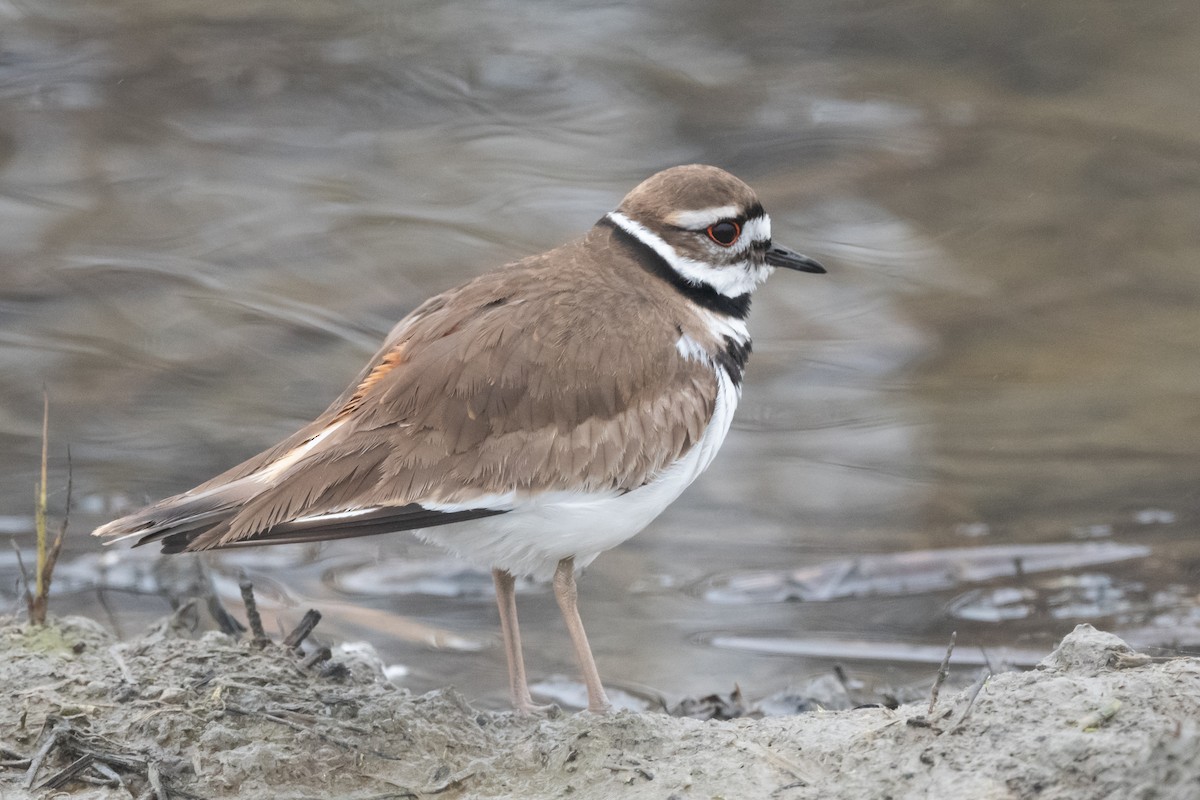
pixel 392 359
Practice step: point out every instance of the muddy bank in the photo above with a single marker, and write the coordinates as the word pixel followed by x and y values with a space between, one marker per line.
pixel 169 715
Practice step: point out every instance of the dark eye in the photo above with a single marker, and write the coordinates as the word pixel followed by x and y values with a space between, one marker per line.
pixel 725 232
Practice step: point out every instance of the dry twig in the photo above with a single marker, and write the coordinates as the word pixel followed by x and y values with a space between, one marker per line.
pixel 316 657
pixel 24 577
pixel 252 616
pixel 109 774
pixel 60 729
pixel 975 689
pixel 68 773
pixel 126 673
pixel 301 632
pixel 154 776
pixel 942 673
pixel 11 757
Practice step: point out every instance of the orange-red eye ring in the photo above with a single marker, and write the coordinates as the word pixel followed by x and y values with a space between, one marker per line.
pixel 725 232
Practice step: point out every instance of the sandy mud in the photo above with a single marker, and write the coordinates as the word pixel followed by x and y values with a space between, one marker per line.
pixel 176 715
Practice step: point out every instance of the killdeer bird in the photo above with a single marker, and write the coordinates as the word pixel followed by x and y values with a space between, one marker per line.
pixel 529 419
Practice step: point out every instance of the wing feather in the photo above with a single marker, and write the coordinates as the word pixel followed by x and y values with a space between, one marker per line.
pixel 582 389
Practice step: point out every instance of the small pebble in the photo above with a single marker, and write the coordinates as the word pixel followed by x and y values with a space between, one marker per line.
pixel 173 695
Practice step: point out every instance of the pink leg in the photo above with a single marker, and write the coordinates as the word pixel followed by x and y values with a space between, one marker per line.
pixel 506 601
pixel 567 596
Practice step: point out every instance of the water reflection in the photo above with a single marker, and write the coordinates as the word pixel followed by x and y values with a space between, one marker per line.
pixel 912 573
pixel 208 220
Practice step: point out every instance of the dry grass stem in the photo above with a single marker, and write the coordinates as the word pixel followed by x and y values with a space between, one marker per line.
pixel 942 673
pixel 47 554
pixel 40 500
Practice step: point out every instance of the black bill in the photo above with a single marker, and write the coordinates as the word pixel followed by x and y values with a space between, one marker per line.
pixel 789 259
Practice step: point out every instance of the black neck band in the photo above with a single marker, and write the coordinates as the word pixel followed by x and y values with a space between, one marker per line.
pixel 733 358
pixel 702 294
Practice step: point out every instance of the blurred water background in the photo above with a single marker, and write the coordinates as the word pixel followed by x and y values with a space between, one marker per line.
pixel 985 418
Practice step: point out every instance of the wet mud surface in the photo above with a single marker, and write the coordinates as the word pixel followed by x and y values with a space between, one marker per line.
pixel 176 714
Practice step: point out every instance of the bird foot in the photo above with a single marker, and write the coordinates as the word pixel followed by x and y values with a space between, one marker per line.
pixel 530 709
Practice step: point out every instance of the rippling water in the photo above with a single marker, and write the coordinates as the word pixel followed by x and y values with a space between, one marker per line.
pixel 984 418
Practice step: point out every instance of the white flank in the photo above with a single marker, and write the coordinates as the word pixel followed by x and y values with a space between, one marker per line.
pixel 542 529
pixel 732 280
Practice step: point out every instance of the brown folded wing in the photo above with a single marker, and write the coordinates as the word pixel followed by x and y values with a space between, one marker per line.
pixel 551 374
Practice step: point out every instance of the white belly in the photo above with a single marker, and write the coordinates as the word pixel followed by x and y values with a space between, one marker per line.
pixel 543 529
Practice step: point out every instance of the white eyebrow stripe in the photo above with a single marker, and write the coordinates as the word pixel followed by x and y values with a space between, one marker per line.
pixel 703 217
